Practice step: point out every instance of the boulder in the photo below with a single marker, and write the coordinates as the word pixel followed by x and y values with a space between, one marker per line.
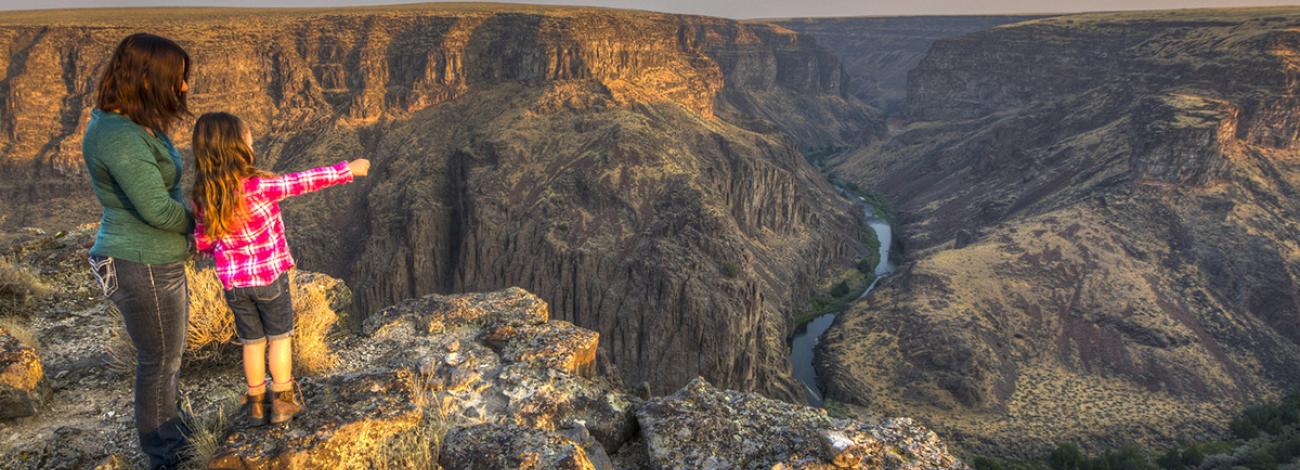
pixel 23 387
pixel 701 426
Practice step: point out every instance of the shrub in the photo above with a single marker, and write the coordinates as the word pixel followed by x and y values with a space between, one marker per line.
pixel 1192 457
pixel 985 463
pixel 208 429
pixel 211 330
pixel 841 289
pixel 1259 459
pixel 313 318
pixel 19 331
pixel 1244 428
pixel 421 447
pixel 1066 457
pixel 19 286
pixel 212 325
pixel 1128 457
pixel 1172 459
pixel 730 269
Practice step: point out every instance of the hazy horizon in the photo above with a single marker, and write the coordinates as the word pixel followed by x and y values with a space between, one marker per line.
pixel 731 8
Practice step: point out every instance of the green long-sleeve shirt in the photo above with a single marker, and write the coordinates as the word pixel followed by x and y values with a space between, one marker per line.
pixel 137 179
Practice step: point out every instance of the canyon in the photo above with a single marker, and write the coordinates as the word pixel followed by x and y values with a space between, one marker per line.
pixel 639 171
pixel 1095 215
pixel 1100 219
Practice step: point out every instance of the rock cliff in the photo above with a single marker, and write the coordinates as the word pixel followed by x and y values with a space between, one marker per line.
pixel 878 52
pixel 640 171
pixel 1100 217
pixel 468 381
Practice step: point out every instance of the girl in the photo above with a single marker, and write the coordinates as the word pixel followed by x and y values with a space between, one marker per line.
pixel 143 239
pixel 237 220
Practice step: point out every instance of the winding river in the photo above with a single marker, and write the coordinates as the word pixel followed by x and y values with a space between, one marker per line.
pixel 804 342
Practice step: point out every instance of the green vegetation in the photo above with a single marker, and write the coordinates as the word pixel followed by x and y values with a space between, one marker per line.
pixel 867 264
pixel 1265 437
pixel 878 202
pixel 847 286
pixel 730 269
pixel 851 285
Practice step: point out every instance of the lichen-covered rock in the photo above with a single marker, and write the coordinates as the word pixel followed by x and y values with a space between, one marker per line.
pixel 439 313
pixel 500 446
pixel 704 427
pixel 489 367
pixel 348 423
pixel 22 379
pixel 556 345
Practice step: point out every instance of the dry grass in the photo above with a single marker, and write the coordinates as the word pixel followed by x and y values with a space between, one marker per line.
pixel 212 325
pixel 420 447
pixel 313 319
pixel 211 331
pixel 19 286
pixel 209 428
pixel 20 331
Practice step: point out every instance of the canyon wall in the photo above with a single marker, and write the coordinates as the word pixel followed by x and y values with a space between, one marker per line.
pixel 639 171
pixel 878 52
pixel 1100 217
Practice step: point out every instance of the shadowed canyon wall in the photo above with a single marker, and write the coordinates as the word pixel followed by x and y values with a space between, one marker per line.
pixel 638 171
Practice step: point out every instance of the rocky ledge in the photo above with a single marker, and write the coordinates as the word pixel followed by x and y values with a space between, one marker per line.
pixel 22 379
pixel 488 380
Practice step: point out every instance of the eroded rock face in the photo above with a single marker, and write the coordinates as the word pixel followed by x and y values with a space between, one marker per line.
pixel 619 164
pixel 703 427
pixel 878 52
pixel 22 379
pixel 1101 220
pixel 513 400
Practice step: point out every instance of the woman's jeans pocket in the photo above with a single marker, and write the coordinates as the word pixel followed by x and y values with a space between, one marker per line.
pixel 105 274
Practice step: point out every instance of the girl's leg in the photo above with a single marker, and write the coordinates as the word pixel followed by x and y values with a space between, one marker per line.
pixel 281 364
pixel 255 367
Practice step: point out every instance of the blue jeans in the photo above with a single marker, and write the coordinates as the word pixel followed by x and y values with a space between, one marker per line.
pixel 154 301
pixel 262 312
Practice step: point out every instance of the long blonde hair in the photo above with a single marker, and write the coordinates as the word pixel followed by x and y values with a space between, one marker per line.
pixel 223 160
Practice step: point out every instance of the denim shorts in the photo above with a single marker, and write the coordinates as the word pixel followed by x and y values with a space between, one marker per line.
pixel 262 312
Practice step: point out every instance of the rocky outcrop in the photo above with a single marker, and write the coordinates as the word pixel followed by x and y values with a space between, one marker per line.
pixel 443 364
pixel 703 427
pixel 1100 217
pixel 23 387
pixel 350 422
pixel 616 163
pixel 438 370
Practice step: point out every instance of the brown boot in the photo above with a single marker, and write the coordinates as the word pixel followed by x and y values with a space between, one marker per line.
pixel 256 408
pixel 284 405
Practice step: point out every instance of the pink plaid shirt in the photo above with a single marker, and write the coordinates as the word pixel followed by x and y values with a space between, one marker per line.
pixel 256 254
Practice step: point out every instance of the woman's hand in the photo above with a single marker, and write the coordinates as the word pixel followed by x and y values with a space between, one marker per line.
pixel 359 167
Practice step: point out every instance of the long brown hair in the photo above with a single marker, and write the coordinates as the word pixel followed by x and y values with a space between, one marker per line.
pixel 143 81
pixel 223 160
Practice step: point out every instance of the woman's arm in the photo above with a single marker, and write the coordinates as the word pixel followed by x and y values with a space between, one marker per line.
pixel 278 188
pixel 133 167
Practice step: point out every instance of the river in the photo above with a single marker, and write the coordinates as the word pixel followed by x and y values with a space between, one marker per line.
pixel 804 342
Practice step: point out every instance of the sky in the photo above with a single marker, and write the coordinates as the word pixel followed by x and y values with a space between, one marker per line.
pixel 735 8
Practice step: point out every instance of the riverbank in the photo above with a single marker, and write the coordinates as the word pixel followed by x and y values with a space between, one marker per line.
pixel 840 290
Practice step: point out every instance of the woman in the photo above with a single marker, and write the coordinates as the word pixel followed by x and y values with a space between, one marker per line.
pixel 140 251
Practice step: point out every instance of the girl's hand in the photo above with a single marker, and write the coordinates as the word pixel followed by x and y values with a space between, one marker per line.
pixel 359 167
